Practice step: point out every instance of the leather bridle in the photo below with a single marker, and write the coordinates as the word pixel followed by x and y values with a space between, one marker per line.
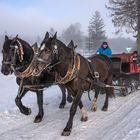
pixel 18 50
pixel 50 65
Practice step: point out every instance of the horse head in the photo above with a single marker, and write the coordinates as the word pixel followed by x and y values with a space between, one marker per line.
pixel 51 52
pixel 7 50
pixel 44 53
pixel 16 55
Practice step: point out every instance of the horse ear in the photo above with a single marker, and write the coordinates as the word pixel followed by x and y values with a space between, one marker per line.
pixel 46 35
pixel 6 37
pixel 55 36
pixel 16 36
pixel 71 44
pixel 35 46
pixel 75 46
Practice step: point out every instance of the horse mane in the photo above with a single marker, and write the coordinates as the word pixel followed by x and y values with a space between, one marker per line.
pixel 67 49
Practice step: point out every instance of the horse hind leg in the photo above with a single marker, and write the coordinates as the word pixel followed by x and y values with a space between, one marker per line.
pixel 94 102
pixel 84 117
pixel 109 93
pixel 69 97
pixel 105 107
pixel 63 101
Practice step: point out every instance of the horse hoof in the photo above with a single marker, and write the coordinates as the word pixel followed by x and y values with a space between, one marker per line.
pixel 69 99
pixel 94 109
pixel 84 119
pixel 27 111
pixel 38 119
pixel 61 106
pixel 104 109
pixel 66 133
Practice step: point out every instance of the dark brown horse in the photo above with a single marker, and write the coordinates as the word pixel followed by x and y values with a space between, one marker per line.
pixel 11 59
pixel 76 73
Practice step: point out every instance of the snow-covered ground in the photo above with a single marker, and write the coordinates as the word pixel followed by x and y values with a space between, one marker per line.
pixel 121 122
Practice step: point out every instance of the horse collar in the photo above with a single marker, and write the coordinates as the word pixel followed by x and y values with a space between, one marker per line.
pixel 72 71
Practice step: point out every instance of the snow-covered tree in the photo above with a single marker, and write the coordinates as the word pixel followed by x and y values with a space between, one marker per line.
pixel 96 32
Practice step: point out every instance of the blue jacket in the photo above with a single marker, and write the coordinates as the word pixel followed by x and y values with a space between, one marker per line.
pixel 106 51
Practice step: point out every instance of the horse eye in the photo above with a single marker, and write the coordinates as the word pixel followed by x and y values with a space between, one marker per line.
pixel 12 49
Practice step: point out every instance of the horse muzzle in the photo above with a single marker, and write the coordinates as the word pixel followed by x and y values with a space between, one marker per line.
pixel 5 72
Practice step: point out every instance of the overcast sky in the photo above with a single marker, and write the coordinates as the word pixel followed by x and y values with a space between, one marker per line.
pixel 34 17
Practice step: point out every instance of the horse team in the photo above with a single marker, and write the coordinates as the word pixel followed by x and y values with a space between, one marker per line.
pixel 54 62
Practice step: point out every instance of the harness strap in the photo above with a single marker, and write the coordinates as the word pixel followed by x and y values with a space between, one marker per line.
pixel 94 75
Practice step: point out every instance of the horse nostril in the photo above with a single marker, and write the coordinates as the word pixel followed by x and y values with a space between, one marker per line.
pixel 5 72
pixel 2 70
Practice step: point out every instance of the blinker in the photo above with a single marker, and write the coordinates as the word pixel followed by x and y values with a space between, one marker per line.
pixel 55 47
pixel 55 51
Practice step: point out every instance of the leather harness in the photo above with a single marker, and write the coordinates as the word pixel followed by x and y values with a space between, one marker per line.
pixel 71 73
pixel 28 71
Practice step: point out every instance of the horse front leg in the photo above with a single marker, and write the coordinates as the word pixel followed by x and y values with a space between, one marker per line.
pixel 22 108
pixel 76 101
pixel 63 101
pixel 40 114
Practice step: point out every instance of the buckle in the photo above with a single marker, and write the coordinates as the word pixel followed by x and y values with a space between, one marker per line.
pixel 55 51
pixel 96 74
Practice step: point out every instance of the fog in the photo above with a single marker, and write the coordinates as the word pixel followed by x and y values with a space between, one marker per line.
pixel 33 18
pixel 36 16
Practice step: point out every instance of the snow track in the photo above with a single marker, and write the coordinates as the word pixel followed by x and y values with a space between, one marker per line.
pixel 121 122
